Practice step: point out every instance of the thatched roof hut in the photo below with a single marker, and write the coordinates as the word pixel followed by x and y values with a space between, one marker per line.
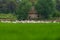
pixel 33 13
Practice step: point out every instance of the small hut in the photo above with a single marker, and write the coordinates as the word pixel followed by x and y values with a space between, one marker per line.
pixel 32 13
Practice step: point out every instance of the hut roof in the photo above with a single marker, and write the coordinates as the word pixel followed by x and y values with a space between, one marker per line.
pixel 32 10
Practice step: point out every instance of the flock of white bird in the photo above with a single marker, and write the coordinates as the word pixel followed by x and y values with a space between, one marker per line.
pixel 27 21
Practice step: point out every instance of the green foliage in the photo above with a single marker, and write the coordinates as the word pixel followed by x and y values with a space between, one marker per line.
pixel 8 16
pixel 57 14
pixel 23 8
pixel 46 8
pixel 7 6
pixel 58 5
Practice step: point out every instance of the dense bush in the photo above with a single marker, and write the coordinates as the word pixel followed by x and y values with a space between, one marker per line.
pixel 46 8
pixel 23 9
pixel 7 16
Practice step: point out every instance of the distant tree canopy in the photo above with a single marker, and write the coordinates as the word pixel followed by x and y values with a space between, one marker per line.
pixel 23 9
pixel 46 8
pixel 7 6
pixel 58 5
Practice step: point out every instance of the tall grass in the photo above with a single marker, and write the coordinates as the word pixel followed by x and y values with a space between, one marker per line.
pixel 19 31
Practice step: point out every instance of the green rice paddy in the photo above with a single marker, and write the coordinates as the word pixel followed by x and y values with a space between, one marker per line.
pixel 19 31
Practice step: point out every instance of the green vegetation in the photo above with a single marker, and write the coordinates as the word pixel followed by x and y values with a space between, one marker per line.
pixel 7 16
pixel 48 9
pixel 10 31
pixel 23 9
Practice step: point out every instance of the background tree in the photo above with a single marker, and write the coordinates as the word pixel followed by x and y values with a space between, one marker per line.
pixel 45 8
pixel 23 8
pixel 7 6
pixel 58 5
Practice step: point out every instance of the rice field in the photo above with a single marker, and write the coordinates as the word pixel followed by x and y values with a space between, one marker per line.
pixel 29 31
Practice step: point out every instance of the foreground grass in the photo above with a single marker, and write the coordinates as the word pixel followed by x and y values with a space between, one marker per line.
pixel 10 31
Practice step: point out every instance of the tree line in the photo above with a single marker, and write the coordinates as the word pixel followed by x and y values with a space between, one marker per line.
pixel 48 9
